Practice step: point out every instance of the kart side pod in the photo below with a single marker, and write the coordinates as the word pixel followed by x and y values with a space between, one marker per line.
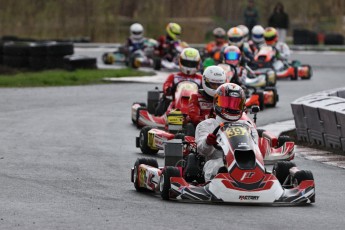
pixel 173 151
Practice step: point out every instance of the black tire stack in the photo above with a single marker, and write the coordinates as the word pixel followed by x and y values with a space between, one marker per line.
pixel 334 39
pixel 41 55
pixel 304 37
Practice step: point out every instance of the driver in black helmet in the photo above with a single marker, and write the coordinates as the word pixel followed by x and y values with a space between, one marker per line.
pixel 229 106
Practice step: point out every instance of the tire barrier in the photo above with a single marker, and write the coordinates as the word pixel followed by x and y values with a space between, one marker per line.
pixel 304 37
pixel 42 55
pixel 334 39
pixel 320 118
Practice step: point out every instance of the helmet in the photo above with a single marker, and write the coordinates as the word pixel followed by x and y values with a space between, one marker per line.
pixel 235 36
pixel 258 34
pixel 219 33
pixel 271 36
pixel 189 61
pixel 229 101
pixel 232 55
pixel 173 30
pixel 136 30
pixel 245 31
pixel 213 77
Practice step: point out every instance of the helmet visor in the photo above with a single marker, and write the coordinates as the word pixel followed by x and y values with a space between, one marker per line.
pixel 258 36
pixel 137 32
pixel 230 103
pixel 212 85
pixel 232 56
pixel 189 64
pixel 235 39
pixel 270 38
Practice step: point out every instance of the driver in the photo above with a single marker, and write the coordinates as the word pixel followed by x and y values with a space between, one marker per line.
pixel 214 48
pixel 136 39
pixel 166 46
pixel 201 104
pixel 232 57
pixel 229 105
pixel 189 62
pixel 271 39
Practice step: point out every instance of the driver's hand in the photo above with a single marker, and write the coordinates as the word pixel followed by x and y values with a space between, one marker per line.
pixel 211 139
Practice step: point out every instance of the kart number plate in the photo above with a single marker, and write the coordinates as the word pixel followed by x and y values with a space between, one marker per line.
pixel 235 131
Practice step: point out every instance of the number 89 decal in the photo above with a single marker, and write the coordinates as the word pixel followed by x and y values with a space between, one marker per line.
pixel 235 131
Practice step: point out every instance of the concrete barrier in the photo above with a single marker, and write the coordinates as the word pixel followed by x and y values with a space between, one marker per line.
pixel 320 118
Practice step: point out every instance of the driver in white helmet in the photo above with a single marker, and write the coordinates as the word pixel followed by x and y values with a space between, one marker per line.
pixel 257 40
pixel 229 106
pixel 136 39
pixel 201 104
pixel 189 62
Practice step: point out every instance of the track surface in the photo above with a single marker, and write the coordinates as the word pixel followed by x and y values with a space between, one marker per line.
pixel 66 154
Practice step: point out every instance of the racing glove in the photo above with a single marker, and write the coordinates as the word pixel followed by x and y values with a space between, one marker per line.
pixel 211 139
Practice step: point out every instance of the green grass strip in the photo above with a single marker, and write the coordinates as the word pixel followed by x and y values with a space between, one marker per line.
pixel 66 78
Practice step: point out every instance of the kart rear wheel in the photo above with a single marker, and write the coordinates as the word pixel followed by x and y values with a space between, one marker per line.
pixel 143 141
pixel 142 105
pixel 147 161
pixel 294 77
pixel 282 139
pixel 164 183
pixel 310 73
pixel 275 96
pixel 281 170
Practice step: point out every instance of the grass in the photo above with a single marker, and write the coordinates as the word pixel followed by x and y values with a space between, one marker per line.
pixel 10 78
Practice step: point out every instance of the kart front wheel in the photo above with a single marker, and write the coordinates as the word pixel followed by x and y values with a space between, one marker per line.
pixel 164 183
pixel 282 139
pixel 300 176
pixel 281 170
pixel 143 141
pixel 136 174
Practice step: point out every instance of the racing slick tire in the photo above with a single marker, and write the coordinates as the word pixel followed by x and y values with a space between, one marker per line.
pixel 147 161
pixel 143 141
pixel 261 99
pixel 164 183
pixel 133 62
pixel 281 170
pixel 142 105
pixel 272 83
pixel 310 73
pixel 282 139
pixel 300 176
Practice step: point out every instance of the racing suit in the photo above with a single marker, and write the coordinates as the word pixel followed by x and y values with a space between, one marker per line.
pixel 133 44
pixel 200 107
pixel 166 47
pixel 169 88
pixel 214 157
pixel 214 50
pixel 282 55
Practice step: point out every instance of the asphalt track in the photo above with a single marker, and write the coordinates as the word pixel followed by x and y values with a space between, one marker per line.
pixel 66 154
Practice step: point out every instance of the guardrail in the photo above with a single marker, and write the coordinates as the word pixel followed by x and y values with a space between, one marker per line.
pixel 320 118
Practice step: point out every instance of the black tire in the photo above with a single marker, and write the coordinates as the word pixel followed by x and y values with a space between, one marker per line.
pixel 60 49
pixel 281 170
pixel 55 62
pixel 310 73
pixel 143 141
pixel 73 62
pixel 164 184
pixel 142 105
pixel 275 95
pixel 139 161
pixel 190 129
pixel 295 76
pixel 38 49
pixel 37 63
pixel 16 61
pixel 16 49
pixel 282 139
pixel 302 175
pixel 157 63
pixel 260 132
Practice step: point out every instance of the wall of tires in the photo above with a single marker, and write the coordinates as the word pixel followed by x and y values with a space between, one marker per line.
pixel 41 55
pixel 320 118
pixel 307 37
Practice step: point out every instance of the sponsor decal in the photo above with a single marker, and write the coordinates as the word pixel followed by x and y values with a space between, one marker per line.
pixel 248 197
pixel 247 175
pixel 143 177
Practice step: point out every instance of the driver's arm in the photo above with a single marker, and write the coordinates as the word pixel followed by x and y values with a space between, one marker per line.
pixel 203 129
pixel 168 85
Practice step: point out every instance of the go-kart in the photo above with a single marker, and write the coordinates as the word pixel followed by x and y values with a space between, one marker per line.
pixel 266 60
pixel 152 139
pixel 262 77
pixel 266 97
pixel 243 179
pixel 144 115
pixel 138 58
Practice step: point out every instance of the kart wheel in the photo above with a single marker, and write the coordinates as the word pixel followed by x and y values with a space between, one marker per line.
pixel 164 183
pixel 143 141
pixel 139 161
pixel 294 77
pixel 281 170
pixel 274 82
pixel 142 105
pixel 261 99
pixel 282 139
pixel 310 73
pixel 300 176
pixel 260 132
